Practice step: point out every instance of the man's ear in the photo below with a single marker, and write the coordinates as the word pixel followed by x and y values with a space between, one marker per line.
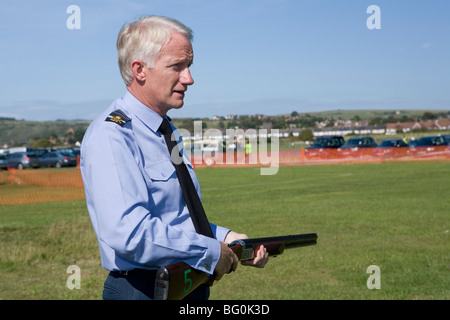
pixel 138 69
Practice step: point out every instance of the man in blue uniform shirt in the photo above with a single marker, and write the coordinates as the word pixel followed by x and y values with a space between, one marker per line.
pixel 132 190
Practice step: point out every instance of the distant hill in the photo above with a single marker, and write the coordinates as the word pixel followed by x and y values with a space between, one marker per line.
pixel 371 114
pixel 20 132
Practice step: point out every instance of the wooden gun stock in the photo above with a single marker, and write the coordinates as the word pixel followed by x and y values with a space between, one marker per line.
pixel 176 281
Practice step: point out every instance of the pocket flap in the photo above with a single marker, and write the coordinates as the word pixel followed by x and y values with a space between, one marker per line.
pixel 160 171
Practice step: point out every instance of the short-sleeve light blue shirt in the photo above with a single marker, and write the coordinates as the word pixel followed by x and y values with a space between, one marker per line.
pixel 134 198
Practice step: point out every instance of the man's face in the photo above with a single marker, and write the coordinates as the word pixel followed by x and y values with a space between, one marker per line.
pixel 167 82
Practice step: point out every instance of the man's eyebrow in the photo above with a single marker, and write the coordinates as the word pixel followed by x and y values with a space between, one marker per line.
pixel 187 60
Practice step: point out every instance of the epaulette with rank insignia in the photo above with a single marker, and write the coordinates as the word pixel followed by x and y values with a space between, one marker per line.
pixel 118 117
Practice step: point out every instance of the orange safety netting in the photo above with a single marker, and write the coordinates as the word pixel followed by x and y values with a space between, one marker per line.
pixel 325 156
pixel 40 185
pixel 46 185
pixel 377 154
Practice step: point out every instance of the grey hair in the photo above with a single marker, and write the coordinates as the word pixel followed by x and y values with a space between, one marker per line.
pixel 143 40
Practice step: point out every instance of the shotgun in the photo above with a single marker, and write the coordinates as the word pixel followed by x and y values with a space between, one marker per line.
pixel 176 281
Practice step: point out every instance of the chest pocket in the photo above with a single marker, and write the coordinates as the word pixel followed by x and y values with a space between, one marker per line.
pixel 160 171
pixel 164 169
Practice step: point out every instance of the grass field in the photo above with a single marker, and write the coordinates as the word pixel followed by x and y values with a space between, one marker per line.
pixel 393 215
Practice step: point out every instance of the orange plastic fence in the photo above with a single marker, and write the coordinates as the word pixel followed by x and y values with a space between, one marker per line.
pixel 327 156
pixel 45 185
pixel 40 185
pixel 389 154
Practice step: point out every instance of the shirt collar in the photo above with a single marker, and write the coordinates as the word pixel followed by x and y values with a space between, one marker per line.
pixel 149 117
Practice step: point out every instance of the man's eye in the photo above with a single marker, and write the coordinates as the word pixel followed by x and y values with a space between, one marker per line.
pixel 177 67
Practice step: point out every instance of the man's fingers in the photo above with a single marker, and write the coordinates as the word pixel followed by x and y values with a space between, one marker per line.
pixel 260 259
pixel 228 261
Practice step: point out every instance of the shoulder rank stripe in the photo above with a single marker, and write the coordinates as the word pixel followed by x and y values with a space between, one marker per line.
pixel 118 117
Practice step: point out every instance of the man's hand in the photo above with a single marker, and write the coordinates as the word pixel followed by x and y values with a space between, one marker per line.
pixel 260 255
pixel 260 258
pixel 232 236
pixel 228 261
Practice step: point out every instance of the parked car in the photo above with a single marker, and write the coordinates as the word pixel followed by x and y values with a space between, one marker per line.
pixel 324 147
pixel 446 138
pixel 327 142
pixel 360 142
pixel 392 143
pixel 413 142
pixel 429 146
pixel 58 159
pixel 74 150
pixel 3 161
pixel 392 148
pixel 430 141
pixel 358 147
pixel 22 160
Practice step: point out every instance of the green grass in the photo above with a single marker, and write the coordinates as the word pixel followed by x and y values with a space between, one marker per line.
pixel 393 215
pixel 39 242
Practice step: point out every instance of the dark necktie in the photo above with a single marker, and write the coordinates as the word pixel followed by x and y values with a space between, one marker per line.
pixel 190 195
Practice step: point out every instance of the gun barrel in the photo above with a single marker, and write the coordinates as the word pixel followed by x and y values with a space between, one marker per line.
pixel 300 240
pixel 290 241
pixel 273 245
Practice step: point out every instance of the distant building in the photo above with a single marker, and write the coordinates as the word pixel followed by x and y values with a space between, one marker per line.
pixel 392 128
pixel 438 124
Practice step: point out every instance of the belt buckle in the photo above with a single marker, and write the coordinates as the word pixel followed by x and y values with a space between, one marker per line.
pixel 122 272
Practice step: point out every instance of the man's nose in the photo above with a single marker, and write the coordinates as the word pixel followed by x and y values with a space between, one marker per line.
pixel 186 77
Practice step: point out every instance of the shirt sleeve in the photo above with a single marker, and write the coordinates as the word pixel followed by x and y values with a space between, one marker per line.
pixel 118 199
pixel 219 232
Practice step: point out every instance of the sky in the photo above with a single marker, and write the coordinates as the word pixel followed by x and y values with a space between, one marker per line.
pixel 250 56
